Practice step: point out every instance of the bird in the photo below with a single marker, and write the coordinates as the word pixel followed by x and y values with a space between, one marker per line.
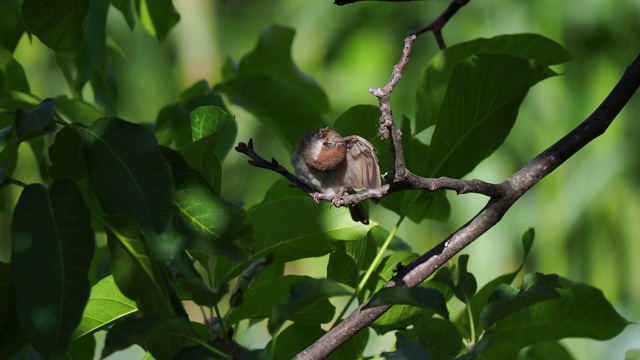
pixel 334 165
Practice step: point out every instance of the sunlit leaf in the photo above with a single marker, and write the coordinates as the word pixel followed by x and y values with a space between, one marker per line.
pixel 106 306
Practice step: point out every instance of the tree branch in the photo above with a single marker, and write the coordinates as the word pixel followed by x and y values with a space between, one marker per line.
pixel 436 25
pixel 513 188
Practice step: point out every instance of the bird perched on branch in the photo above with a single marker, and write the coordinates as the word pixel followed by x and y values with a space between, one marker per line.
pixel 334 165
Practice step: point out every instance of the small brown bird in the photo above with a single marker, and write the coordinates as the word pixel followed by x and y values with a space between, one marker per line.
pixel 334 165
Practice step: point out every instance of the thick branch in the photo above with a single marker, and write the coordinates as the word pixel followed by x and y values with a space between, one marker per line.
pixel 514 187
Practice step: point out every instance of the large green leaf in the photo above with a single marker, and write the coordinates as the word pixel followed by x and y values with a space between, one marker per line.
pixel 214 223
pixel 478 111
pixel 107 305
pixel 295 227
pixel 270 86
pixel 582 311
pixel 57 23
pixel 434 81
pixel 52 247
pixel 127 172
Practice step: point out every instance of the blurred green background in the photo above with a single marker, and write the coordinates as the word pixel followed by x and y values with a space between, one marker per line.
pixel 586 214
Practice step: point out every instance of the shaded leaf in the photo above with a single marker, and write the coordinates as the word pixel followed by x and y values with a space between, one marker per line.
pixel 127 172
pixel 428 298
pixel 407 349
pixel 480 299
pixel 203 213
pixel 582 311
pixel 301 294
pixel 67 155
pixel 93 51
pixel 36 121
pixel 440 337
pixel 546 350
pixel 57 23
pixel 479 109
pixel 12 76
pixel 435 78
pixel 269 85
pixel 260 300
pixel 162 16
pixel 506 300
pixel 77 110
pixel 11 26
pixel 60 243
pixel 343 269
pixel 140 330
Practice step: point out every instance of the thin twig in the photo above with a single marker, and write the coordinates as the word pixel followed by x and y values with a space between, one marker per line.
pixel 436 25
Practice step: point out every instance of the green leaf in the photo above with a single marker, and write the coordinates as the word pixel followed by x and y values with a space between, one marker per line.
pixel 479 109
pixel 295 227
pixel 12 337
pixel 173 124
pixel 12 76
pixel 582 311
pixel 547 350
pixel 140 330
pixel 435 78
pixel 127 172
pixel 35 122
pixel 343 269
pixel 162 16
pixel 203 213
pixel 51 234
pixel 506 300
pixel 301 294
pixel 77 110
pixel 8 160
pixel 11 27
pixel 67 155
pixel 459 280
pixel 480 299
pixel 260 300
pixel 93 51
pixel 275 103
pixel 407 349
pixel 209 120
pixel 106 306
pixel 57 23
pixel 440 337
pixel 132 268
pixel 295 338
pixel 428 298
pixel 127 10
pixel 269 85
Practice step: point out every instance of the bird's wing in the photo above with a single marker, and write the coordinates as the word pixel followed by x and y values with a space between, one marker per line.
pixel 364 154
